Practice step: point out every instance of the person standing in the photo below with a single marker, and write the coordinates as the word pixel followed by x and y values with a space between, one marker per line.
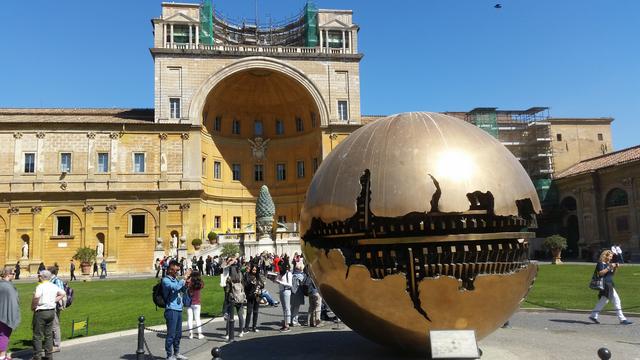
pixel 156 265
pixel 315 300
pixel 253 286
pixel 297 293
pixel 201 265
pixel 57 336
pixel 43 304
pixel 95 269
pixel 606 269
pixel 194 288
pixel 72 270
pixel 103 269
pixel 9 310
pixel 284 280
pixel 235 298
pixel 17 270
pixel 173 291
pixel 41 267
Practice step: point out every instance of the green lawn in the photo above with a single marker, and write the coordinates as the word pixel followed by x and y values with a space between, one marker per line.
pixel 111 305
pixel 567 287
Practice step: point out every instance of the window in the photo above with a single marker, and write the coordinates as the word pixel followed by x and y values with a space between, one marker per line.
pixel 315 165
pixel 103 162
pixel 237 222
pixel 217 221
pixel 217 170
pixel 343 110
pixel 65 162
pixel 299 125
pixel 616 197
pixel 138 224
pixel 235 169
pixel 282 219
pixel 235 127
pixel 63 225
pixel 174 104
pixel 217 124
pixel 279 127
pixel 257 128
pixel 281 172
pixel 600 137
pixel 181 34
pixel 558 137
pixel 138 162
pixel 334 39
pixel 313 119
pixel 258 172
pixel 300 169
pixel 204 167
pixel 29 163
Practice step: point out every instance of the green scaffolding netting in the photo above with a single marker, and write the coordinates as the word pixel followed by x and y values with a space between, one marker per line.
pixel 546 193
pixel 311 25
pixel 487 122
pixel 206 22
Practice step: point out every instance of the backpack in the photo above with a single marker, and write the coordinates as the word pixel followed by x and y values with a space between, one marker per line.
pixel 158 296
pixel 237 293
pixel 69 291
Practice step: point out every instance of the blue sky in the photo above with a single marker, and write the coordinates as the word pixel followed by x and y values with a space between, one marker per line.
pixel 579 57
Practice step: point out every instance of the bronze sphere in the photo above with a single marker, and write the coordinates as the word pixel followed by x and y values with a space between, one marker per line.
pixel 419 222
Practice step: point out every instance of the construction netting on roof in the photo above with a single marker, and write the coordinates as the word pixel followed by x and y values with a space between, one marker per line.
pixel 544 189
pixel 300 30
pixel 206 23
pixel 486 121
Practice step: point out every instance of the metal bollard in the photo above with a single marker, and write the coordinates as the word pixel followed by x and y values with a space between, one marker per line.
pixel 140 351
pixel 604 354
pixel 215 352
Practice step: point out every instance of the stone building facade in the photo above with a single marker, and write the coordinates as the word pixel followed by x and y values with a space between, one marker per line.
pixel 232 111
pixel 599 199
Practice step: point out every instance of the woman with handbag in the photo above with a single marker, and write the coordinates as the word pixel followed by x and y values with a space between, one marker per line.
pixel 194 289
pixel 606 270
pixel 253 286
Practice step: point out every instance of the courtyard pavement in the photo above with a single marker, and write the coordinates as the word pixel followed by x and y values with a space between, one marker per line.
pixel 532 335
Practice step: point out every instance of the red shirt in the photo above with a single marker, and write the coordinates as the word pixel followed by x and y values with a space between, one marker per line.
pixel 276 264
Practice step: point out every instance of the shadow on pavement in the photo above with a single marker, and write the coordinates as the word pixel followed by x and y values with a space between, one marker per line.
pixel 313 346
pixel 572 321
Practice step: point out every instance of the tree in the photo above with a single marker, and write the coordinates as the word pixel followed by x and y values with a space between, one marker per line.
pixel 229 250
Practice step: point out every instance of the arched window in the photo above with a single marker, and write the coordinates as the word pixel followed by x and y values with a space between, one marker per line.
pixel 616 197
pixel 568 203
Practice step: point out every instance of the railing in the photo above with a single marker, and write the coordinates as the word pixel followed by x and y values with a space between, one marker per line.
pixel 259 49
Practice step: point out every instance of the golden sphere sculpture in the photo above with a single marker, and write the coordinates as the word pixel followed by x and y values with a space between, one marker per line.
pixel 418 222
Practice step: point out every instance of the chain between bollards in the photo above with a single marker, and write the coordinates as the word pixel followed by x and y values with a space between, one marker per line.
pixel 140 350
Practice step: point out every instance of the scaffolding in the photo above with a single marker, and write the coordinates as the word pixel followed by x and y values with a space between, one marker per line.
pixel 300 30
pixel 486 119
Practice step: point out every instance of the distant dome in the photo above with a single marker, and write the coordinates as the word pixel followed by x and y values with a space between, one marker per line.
pixel 403 152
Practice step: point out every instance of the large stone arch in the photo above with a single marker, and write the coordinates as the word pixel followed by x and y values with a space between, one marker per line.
pixel 255 62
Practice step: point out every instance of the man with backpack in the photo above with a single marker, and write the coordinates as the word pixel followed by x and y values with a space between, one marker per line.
pixel 173 290
pixel 55 280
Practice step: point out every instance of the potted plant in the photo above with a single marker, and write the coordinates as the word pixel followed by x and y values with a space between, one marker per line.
pixel 555 243
pixel 212 237
pixel 85 255
pixel 196 243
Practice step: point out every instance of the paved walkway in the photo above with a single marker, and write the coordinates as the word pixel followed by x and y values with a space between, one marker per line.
pixel 533 335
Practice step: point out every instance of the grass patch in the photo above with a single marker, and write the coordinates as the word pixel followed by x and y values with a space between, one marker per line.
pixel 567 287
pixel 111 305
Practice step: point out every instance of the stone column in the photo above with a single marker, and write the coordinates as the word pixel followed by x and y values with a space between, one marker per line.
pixel 172 35
pixel 190 36
pixel 39 155
pixel 321 39
pixel 91 154
pixel 164 34
pixel 344 43
pixel 39 237
pixel 18 161
pixel 12 236
pixel 197 36
pixel 113 173
pixel 351 41
pixel 163 156
pixel 162 232
pixel 184 209
pixel 110 248
pixel 88 226
pixel 577 192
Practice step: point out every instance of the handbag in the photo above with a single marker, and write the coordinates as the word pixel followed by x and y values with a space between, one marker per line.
pixel 597 282
pixel 186 299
